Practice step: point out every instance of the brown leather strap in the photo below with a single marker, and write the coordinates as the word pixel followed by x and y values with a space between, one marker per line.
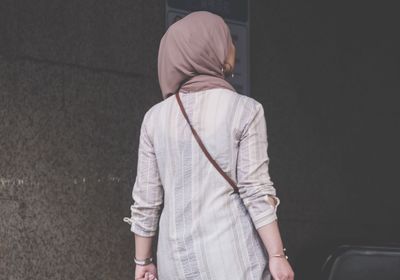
pixel 231 182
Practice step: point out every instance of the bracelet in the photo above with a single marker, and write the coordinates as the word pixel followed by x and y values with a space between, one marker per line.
pixel 146 261
pixel 281 255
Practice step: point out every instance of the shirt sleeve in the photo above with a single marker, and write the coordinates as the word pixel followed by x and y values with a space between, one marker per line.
pixel 147 192
pixel 254 182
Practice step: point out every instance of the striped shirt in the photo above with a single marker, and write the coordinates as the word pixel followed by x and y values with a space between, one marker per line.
pixel 206 230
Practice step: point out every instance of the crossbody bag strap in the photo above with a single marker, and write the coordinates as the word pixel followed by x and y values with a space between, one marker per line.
pixel 230 181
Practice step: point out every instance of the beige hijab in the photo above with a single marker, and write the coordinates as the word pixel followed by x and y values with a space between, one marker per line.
pixel 192 53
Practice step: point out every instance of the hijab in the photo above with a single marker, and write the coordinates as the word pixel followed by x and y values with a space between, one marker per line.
pixel 192 53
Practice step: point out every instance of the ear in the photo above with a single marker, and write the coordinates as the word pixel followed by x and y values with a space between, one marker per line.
pixel 227 68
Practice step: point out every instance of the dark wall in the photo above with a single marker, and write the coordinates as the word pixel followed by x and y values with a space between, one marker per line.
pixel 76 78
pixel 328 76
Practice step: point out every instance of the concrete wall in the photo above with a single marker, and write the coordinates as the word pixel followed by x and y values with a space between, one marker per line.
pixel 76 78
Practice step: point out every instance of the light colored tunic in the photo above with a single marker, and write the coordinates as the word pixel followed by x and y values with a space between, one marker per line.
pixel 206 231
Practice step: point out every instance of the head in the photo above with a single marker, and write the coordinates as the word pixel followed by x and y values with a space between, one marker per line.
pixel 196 52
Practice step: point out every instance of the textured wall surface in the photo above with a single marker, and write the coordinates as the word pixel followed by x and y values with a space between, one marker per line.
pixel 76 78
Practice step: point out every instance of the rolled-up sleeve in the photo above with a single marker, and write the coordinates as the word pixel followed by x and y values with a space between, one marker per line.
pixel 147 192
pixel 254 182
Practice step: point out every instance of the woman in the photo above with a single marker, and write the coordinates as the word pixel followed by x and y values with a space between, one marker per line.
pixel 206 229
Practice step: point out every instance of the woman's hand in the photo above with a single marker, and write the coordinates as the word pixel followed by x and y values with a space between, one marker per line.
pixel 280 269
pixel 146 272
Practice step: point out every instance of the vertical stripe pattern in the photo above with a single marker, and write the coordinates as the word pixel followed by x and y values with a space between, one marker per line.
pixel 206 231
